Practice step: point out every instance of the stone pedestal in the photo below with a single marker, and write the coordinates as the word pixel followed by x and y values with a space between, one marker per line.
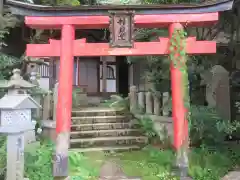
pixel 15 150
pixel 49 129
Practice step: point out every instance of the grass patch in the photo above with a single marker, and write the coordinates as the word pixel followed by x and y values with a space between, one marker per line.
pixel 153 164
pixel 149 163
pixel 146 163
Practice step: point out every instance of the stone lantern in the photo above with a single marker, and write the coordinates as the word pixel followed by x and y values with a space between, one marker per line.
pixel 16 105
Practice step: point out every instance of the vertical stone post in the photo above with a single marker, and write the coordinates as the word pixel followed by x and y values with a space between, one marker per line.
pixel 165 99
pixel 15 150
pixel 156 106
pixel 55 99
pixel 15 156
pixel 47 106
pixel 133 98
pixel 37 97
pixel 149 103
pixel 130 72
pixel 141 101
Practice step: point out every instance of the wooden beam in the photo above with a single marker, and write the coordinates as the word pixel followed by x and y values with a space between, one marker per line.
pixel 78 71
pixel 103 49
pixel 141 21
pixel 57 42
pixel 52 74
pixel 104 76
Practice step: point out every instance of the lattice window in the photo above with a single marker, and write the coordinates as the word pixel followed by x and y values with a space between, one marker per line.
pixel 43 70
pixel 23 115
pixel 8 117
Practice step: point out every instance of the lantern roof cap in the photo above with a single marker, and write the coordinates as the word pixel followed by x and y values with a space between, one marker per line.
pixel 18 101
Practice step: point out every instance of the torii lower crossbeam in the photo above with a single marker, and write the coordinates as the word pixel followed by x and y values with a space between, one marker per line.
pixel 81 48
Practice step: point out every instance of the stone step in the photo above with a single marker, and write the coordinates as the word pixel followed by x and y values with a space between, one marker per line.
pixel 99 119
pixel 96 111
pixel 102 126
pixel 108 141
pixel 105 133
pixel 106 148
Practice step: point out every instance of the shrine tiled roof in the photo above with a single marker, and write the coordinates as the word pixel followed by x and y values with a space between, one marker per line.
pixel 205 6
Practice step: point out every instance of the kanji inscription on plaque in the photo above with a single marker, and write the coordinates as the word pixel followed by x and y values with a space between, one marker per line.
pixel 121 29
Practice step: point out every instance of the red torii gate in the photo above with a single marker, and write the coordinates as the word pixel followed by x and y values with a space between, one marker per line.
pixel 68 47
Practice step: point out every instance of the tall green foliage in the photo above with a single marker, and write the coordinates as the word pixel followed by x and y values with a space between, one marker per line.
pixel 7 21
pixel 169 1
pixel 2 156
pixel 207 127
pixel 61 2
pixel 8 62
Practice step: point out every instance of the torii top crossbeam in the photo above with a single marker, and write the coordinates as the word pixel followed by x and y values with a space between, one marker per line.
pixel 97 17
pixel 27 9
pixel 146 16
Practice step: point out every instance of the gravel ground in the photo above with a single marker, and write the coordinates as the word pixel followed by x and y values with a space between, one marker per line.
pixel 112 171
pixel 233 175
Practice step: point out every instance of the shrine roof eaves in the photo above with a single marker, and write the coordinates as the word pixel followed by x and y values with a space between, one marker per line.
pixel 28 9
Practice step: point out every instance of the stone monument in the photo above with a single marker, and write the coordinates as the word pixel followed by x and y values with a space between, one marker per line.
pixel 217 90
pixel 223 102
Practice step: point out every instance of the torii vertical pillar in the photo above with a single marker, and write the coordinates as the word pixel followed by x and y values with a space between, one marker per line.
pixel 179 114
pixel 64 106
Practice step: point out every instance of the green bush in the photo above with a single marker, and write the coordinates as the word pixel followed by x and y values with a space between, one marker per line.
pixel 147 126
pixel 3 156
pixel 206 127
pixel 38 162
pixel 119 102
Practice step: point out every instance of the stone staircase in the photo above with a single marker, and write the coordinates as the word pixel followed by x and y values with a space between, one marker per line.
pixel 104 129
